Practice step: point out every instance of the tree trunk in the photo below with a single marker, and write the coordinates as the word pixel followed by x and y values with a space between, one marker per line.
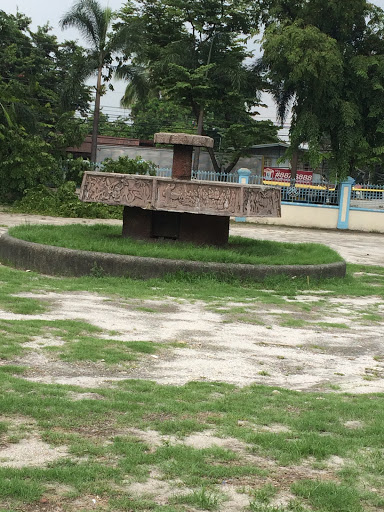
pixel 196 158
pixel 96 115
pixel 216 166
pixel 231 165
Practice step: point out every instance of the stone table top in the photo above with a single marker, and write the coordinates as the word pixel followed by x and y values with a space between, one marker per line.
pixel 184 139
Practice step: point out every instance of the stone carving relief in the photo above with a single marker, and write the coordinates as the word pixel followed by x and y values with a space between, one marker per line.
pixel 227 199
pixel 117 189
pixel 198 198
pixel 263 202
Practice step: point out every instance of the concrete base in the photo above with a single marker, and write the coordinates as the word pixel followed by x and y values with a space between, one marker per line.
pixel 186 227
pixel 60 261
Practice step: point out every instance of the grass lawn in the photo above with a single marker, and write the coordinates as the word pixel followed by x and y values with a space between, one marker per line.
pixel 282 451
pixel 105 238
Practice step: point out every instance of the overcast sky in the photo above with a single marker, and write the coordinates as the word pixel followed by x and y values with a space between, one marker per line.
pixel 51 11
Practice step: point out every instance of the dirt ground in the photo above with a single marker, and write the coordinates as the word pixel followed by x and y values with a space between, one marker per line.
pixel 335 348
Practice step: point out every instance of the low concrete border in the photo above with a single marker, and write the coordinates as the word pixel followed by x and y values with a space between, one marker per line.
pixel 51 260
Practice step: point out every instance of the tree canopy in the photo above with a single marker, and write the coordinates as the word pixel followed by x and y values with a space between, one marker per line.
pixel 326 61
pixel 188 66
pixel 193 54
pixel 94 23
pixel 41 86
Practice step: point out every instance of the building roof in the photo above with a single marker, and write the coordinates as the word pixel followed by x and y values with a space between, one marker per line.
pixel 272 145
pixel 106 140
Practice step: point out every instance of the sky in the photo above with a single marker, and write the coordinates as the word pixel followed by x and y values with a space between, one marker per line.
pixel 51 11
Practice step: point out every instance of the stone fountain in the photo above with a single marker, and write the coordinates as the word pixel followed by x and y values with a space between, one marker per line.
pixel 179 208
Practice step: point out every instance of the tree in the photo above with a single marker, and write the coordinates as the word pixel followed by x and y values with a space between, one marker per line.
pixel 93 22
pixel 326 61
pixel 160 115
pixel 119 127
pixel 41 86
pixel 194 53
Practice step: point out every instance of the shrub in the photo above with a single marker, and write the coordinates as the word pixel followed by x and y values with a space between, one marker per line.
pixel 25 163
pixel 126 165
pixel 64 202
pixel 74 168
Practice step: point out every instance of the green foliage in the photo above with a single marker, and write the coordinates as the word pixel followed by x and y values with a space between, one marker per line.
pixel 41 86
pixel 196 58
pixel 73 169
pixel 27 163
pixel 328 63
pixel 159 115
pixel 120 127
pixel 126 165
pixel 64 202
pixel 94 23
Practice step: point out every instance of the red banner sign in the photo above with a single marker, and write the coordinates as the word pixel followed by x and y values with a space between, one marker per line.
pixel 279 174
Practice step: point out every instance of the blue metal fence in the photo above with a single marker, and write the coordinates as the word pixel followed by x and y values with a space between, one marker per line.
pixel 215 176
pixel 367 191
pixel 324 193
pixel 362 195
pixel 367 196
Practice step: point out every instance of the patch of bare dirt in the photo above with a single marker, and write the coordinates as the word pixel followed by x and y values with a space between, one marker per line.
pixel 157 489
pixel 85 396
pixel 30 452
pixel 313 357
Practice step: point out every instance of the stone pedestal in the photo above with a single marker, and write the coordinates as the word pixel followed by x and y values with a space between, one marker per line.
pixel 183 144
pixel 177 208
pixel 182 162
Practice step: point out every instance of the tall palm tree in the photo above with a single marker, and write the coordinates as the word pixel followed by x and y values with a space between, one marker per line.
pixel 93 21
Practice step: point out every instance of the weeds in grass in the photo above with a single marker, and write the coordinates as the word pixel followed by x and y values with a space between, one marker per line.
pixel 332 325
pixel 288 321
pixel 329 496
pixel 264 494
pixel 208 288
pixel 201 498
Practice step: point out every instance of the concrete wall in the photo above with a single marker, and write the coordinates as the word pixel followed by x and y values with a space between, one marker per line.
pixel 324 217
pixel 304 216
pixel 164 157
pixel 366 220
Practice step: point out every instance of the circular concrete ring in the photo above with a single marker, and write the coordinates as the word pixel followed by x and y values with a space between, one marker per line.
pixel 51 260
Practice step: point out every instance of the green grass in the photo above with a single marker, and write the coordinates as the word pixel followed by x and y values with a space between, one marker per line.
pixel 329 496
pixel 274 290
pixel 105 238
pixel 105 455
pixel 101 458
pixel 81 344
pixel 202 499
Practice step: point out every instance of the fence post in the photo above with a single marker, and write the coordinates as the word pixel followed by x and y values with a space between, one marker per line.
pixel 344 203
pixel 244 180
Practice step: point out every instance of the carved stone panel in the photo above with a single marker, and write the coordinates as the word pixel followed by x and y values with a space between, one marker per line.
pixel 117 189
pixel 202 197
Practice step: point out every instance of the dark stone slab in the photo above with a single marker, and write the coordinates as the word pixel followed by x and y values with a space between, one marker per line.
pixel 142 224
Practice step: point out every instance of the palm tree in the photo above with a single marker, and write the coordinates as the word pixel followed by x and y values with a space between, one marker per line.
pixel 93 21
